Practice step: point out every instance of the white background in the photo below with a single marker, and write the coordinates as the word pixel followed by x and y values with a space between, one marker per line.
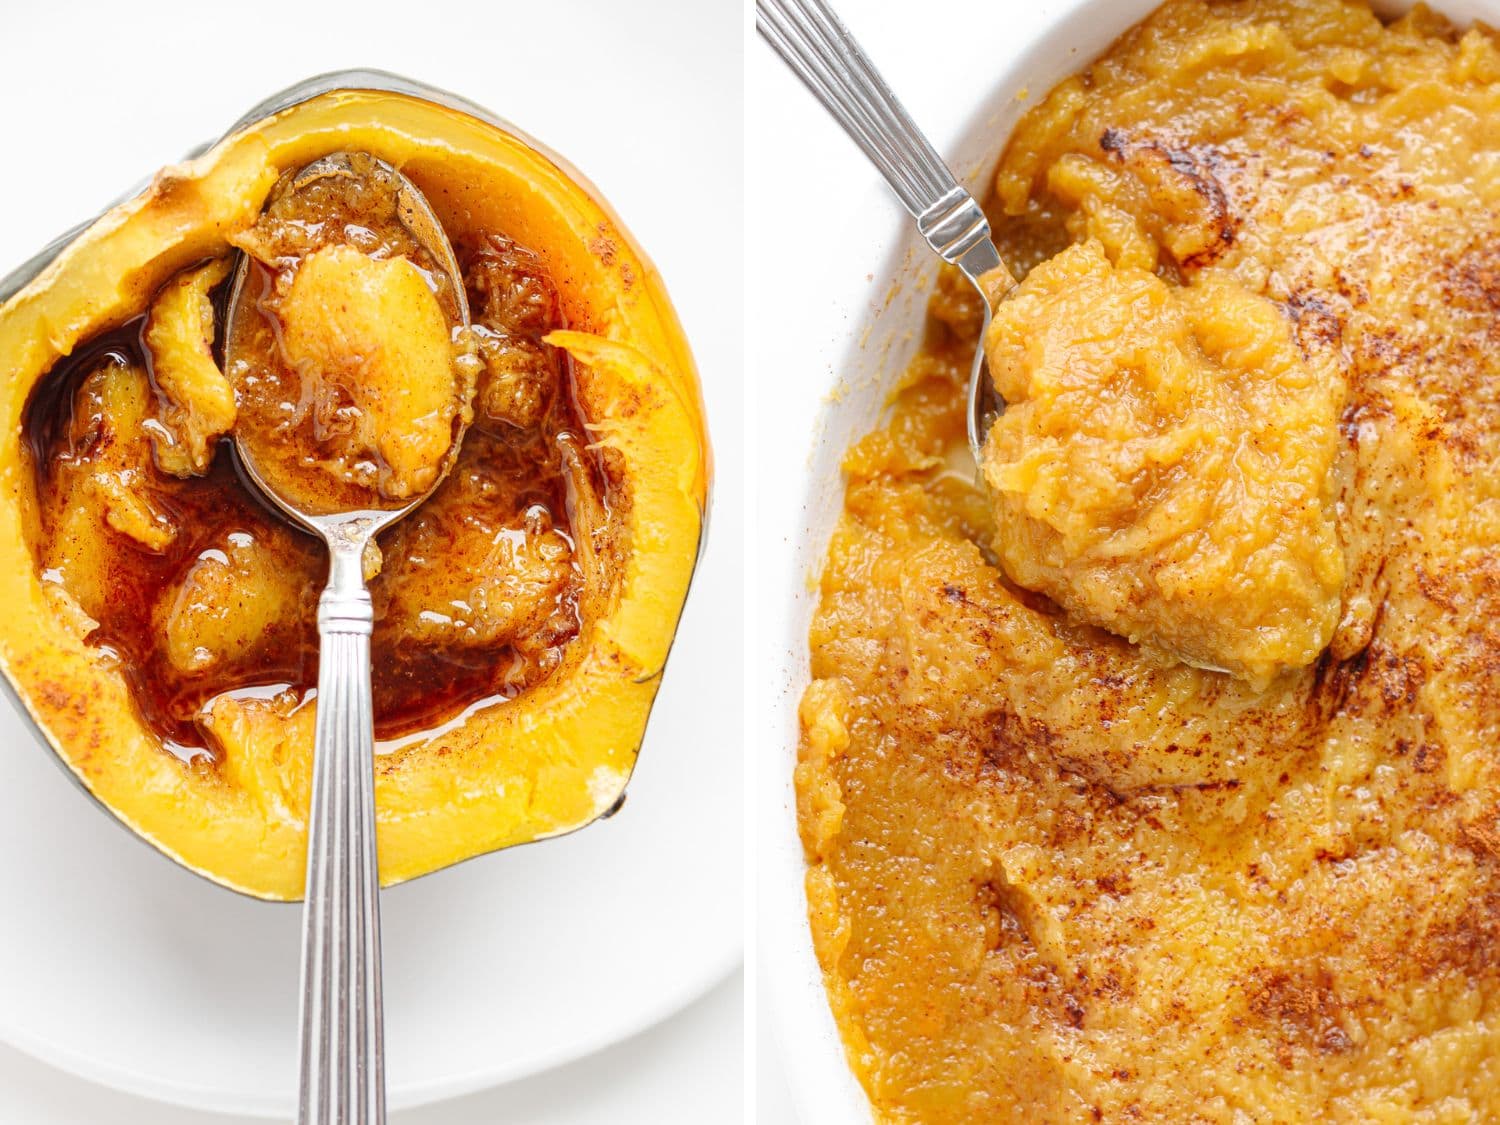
pixel 645 99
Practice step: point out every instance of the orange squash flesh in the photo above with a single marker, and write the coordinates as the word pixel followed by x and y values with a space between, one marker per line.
pixel 545 763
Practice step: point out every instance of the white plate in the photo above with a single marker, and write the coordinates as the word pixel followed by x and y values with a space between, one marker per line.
pixel 119 966
pixel 849 319
pixel 124 968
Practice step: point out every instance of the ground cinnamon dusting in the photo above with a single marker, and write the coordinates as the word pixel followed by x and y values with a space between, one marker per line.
pixel 1055 876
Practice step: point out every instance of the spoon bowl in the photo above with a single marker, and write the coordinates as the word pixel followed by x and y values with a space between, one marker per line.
pixel 421 222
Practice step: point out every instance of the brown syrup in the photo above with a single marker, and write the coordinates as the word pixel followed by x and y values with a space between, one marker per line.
pixel 417 686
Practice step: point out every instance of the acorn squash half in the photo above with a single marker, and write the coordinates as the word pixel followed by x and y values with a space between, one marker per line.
pixel 545 762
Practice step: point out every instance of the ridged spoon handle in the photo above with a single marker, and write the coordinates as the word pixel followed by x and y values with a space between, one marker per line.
pixel 812 40
pixel 342 1050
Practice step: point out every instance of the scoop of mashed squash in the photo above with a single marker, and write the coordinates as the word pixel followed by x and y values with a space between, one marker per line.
pixel 1162 467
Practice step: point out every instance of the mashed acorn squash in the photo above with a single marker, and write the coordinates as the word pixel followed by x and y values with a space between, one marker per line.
pixel 1056 875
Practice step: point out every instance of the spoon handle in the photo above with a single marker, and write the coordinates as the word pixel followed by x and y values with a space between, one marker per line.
pixel 815 44
pixel 818 47
pixel 342 1050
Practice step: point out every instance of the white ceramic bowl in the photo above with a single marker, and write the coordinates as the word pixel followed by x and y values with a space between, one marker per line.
pixel 847 322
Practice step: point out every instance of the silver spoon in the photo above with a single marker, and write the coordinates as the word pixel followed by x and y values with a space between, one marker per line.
pixel 815 44
pixel 342 1052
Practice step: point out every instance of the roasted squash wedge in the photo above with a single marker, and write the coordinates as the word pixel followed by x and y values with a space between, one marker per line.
pixel 544 757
